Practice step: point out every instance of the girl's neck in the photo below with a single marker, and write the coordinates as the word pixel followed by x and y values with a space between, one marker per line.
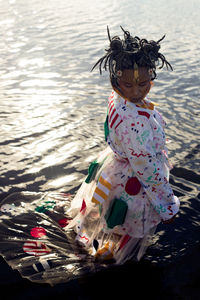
pixel 144 104
pixel 141 102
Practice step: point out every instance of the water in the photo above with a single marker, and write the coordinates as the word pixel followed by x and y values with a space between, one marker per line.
pixel 52 107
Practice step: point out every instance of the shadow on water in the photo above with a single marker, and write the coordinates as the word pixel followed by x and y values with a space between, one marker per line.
pixel 33 183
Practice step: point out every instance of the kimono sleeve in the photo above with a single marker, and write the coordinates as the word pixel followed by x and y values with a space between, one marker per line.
pixel 137 142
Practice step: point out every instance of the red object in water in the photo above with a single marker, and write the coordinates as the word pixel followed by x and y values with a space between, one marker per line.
pixel 133 186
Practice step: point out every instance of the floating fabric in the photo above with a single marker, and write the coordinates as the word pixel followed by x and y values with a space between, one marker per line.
pixel 117 213
pixel 92 171
pixel 102 190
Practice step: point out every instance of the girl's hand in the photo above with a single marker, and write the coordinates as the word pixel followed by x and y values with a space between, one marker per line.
pixel 170 221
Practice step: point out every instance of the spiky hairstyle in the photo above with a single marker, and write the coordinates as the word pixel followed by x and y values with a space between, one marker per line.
pixel 124 53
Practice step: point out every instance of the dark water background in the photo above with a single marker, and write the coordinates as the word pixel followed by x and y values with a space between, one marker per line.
pixel 52 108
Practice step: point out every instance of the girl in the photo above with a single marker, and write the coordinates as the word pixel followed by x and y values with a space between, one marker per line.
pixel 127 193
pixel 49 238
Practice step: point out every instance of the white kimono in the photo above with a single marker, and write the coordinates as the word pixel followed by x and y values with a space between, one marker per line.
pixel 129 194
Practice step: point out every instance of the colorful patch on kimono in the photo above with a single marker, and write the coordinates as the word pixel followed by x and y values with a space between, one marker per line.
pixel 64 222
pixel 92 170
pixel 46 205
pixel 144 113
pixel 160 208
pixel 125 197
pixel 170 209
pixel 133 186
pixel 124 241
pixel 82 237
pixel 36 248
pixel 113 117
pixel 83 207
pixel 38 232
pixel 117 213
pixel 143 137
pixel 102 190
pixel 106 128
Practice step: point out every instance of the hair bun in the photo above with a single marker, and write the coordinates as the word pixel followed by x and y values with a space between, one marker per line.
pixel 116 44
pixel 124 53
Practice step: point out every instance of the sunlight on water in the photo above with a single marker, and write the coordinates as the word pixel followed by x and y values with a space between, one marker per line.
pixel 52 108
pixel 61 154
pixel 33 63
pixel 63 180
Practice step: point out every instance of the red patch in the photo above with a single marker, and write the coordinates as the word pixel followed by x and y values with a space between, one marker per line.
pixel 38 232
pixel 124 241
pixel 35 248
pixel 83 207
pixel 133 186
pixel 64 222
pixel 144 113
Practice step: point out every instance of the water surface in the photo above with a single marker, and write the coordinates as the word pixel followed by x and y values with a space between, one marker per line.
pixel 52 107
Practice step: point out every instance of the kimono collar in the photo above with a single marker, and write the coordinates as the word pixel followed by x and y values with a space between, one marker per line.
pixel 146 104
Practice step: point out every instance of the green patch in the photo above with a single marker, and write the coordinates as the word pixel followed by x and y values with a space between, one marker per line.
pixel 106 129
pixel 92 170
pixel 46 205
pixel 117 213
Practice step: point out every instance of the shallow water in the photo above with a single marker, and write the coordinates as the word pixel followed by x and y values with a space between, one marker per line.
pixel 52 107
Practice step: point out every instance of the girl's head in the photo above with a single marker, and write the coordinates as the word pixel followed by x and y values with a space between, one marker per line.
pixel 132 64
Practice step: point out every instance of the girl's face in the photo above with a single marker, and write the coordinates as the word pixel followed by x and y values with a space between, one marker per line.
pixel 135 85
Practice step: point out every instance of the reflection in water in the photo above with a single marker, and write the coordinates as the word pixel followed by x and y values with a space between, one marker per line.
pixel 52 108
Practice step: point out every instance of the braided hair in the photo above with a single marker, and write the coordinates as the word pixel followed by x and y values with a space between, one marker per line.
pixel 124 53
